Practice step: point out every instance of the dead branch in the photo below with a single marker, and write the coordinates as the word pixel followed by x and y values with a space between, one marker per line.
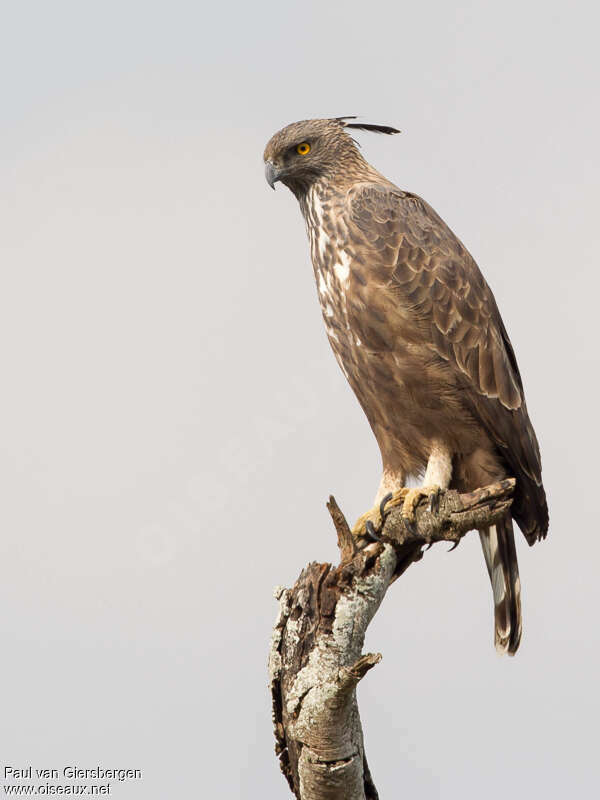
pixel 316 661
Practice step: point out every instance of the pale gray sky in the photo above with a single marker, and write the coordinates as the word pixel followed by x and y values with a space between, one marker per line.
pixel 174 420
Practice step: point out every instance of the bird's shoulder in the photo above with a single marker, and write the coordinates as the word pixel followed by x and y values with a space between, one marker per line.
pixel 380 210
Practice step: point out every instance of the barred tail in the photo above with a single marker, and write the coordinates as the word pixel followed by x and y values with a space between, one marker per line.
pixel 498 543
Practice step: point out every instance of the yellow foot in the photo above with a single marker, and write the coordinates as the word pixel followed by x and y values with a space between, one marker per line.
pixel 374 517
pixel 413 498
pixel 371 523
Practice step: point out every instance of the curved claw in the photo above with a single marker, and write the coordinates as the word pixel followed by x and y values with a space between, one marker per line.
pixel 370 530
pixel 427 546
pixel 383 504
pixel 434 501
pixel 410 525
pixel 454 546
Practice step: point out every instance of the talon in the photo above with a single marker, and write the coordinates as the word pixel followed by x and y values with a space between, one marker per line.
pixel 378 513
pixel 410 525
pixel 434 500
pixel 370 529
pixel 383 504
pixel 454 546
pixel 428 546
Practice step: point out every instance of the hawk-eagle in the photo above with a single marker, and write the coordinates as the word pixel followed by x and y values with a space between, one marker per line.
pixel 417 333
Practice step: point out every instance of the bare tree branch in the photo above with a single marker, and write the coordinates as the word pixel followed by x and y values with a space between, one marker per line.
pixel 316 659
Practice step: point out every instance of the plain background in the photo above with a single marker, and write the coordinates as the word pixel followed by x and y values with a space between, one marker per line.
pixel 173 419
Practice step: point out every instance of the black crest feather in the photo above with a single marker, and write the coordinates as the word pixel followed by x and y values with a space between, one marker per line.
pixel 364 126
pixel 374 128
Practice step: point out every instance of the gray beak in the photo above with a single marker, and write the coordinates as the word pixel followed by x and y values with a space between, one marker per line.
pixel 272 173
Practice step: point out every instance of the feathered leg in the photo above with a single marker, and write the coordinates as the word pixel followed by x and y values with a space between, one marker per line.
pixel 498 543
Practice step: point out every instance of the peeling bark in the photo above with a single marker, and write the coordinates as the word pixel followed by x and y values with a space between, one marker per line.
pixel 316 660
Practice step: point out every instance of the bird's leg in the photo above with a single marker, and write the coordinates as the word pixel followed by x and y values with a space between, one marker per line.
pixel 436 479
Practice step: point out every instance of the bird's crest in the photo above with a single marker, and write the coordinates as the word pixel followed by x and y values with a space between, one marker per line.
pixel 364 126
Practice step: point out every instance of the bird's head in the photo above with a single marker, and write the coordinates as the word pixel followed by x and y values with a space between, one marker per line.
pixel 304 152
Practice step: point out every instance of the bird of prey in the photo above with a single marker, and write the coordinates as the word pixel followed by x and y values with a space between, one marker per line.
pixel 418 335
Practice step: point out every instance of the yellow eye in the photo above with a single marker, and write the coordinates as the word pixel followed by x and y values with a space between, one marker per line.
pixel 303 149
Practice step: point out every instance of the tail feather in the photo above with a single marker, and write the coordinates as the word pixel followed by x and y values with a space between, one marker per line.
pixel 498 543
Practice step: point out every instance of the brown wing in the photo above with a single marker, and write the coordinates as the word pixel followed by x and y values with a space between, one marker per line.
pixel 454 307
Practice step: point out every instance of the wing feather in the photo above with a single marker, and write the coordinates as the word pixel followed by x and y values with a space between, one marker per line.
pixel 432 273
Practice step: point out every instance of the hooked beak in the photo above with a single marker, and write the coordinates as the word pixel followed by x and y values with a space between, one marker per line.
pixel 272 173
